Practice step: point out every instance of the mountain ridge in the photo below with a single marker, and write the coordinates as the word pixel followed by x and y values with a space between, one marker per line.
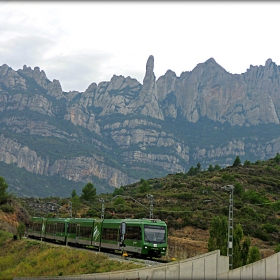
pixel 120 131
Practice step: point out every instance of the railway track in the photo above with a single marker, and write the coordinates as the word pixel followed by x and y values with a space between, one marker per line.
pixel 114 256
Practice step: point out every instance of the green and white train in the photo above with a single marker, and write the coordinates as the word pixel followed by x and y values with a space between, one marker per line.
pixel 138 237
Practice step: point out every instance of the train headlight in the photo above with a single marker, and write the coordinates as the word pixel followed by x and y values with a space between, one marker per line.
pixel 163 249
pixel 146 247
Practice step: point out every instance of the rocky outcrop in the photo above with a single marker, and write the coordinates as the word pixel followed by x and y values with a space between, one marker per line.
pixel 82 169
pixel 12 152
pixel 210 91
pixel 113 97
pixel 52 88
pixel 147 102
pixel 81 117
pixel 78 169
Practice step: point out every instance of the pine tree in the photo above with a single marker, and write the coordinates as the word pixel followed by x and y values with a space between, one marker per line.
pixel 237 161
pixel 88 192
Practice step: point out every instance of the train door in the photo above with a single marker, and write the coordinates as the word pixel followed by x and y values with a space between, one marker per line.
pixel 54 231
pixel 77 233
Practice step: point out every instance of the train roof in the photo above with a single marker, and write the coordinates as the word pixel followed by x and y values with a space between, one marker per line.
pixel 135 221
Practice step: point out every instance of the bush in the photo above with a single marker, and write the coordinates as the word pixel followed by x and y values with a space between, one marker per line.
pixel 7 208
pixel 228 178
pixel 254 255
pixel 260 234
pixel 253 197
pixel 238 189
pixel 21 230
pixel 277 249
pixel 269 228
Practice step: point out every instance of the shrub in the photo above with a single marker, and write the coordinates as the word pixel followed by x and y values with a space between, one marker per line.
pixel 277 249
pixel 7 208
pixel 21 230
pixel 260 234
pixel 269 228
pixel 253 197
pixel 238 189
pixel 254 255
pixel 228 178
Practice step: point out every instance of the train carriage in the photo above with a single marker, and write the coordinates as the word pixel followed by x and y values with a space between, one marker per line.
pixel 141 237
pixel 80 231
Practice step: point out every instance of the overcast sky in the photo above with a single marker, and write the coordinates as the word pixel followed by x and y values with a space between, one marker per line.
pixel 79 43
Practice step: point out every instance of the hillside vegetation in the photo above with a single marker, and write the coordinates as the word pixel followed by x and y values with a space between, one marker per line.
pixel 194 198
pixel 30 258
pixel 188 202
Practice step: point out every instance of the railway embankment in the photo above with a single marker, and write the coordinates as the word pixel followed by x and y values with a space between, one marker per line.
pixel 32 258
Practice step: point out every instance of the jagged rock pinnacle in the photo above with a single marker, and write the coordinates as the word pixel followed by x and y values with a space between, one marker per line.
pixel 150 64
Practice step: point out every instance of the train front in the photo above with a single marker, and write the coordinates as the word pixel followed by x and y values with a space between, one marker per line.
pixel 155 239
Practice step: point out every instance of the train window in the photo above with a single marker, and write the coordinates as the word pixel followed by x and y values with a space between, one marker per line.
pixel 110 234
pixel 72 228
pixel 60 227
pixel 154 234
pixel 50 228
pixel 85 232
pixel 133 233
pixel 36 227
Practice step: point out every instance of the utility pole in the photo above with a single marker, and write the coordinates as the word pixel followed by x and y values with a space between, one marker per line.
pixel 102 208
pixel 151 205
pixel 230 189
pixel 70 208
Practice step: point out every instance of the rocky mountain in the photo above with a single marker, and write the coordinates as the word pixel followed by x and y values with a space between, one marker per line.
pixel 120 131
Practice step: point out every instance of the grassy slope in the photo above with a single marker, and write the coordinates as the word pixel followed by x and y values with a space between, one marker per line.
pixel 29 258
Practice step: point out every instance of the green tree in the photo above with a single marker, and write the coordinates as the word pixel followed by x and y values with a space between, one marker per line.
pixel 210 168
pixel 88 192
pixel 237 161
pixel 118 191
pixel 245 249
pixel 218 235
pixel 119 200
pixel 76 205
pixel 192 171
pixel 277 158
pixel 217 167
pixel 238 189
pixel 20 230
pixel 3 191
pixel 74 193
pixel 254 255
pixel 144 187
pixel 237 246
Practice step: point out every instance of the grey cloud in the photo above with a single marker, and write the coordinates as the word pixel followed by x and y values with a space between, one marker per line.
pixel 76 72
pixel 25 50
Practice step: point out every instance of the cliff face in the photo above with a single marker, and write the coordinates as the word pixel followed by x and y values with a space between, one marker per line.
pixel 117 132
